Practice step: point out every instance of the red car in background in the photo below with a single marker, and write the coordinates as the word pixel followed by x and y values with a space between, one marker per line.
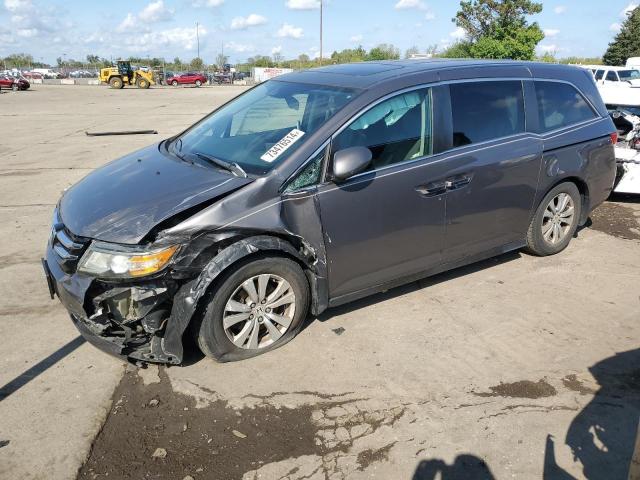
pixel 13 83
pixel 190 78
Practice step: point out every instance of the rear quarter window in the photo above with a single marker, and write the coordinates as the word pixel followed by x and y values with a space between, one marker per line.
pixel 560 105
pixel 486 110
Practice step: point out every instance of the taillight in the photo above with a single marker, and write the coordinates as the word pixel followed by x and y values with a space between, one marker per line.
pixel 614 138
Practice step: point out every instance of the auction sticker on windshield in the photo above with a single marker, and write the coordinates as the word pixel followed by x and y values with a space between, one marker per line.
pixel 279 148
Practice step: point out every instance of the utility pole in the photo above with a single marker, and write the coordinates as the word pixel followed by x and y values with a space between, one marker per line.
pixel 320 32
pixel 198 37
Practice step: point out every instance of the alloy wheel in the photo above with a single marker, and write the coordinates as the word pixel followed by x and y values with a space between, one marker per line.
pixel 259 311
pixel 558 218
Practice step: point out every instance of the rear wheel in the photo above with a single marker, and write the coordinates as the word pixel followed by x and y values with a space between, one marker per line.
pixel 256 308
pixel 15 87
pixel 198 83
pixel 555 221
pixel 174 83
pixel 116 82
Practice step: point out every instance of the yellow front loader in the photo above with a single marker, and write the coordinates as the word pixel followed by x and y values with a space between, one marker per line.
pixel 123 74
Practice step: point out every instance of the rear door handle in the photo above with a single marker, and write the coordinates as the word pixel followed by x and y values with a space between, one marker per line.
pixel 458 182
pixel 432 189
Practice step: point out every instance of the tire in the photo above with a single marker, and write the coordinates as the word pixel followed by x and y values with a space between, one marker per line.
pixel 142 83
pixel 543 238
pixel 216 342
pixel 15 87
pixel 174 83
pixel 198 83
pixel 116 82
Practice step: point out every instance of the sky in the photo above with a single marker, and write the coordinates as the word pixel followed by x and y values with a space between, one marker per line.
pixel 48 29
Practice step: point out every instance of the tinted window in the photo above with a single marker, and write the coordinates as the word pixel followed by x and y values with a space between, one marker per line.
pixel 611 76
pixel 395 130
pixel 486 110
pixel 599 74
pixel 560 105
pixel 626 75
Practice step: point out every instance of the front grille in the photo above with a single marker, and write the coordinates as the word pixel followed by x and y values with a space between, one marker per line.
pixel 68 247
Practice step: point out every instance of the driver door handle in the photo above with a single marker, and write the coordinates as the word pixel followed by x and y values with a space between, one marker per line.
pixel 432 189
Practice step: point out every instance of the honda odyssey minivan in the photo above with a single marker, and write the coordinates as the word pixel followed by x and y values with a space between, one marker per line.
pixel 320 187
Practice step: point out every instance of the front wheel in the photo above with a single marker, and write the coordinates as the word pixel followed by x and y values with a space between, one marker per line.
pixel 198 83
pixel 174 83
pixel 555 221
pixel 257 307
pixel 15 87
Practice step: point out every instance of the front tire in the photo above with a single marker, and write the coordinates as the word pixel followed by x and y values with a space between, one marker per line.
pixel 174 83
pixel 15 87
pixel 198 83
pixel 555 221
pixel 256 307
pixel 116 82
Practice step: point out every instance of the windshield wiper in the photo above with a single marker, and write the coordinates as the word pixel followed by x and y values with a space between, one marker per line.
pixel 228 166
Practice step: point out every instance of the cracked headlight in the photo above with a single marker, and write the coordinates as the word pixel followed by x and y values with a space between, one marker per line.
pixel 106 261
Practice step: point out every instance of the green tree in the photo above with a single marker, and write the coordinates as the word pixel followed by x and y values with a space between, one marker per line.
pixel 499 28
pixel 626 43
pixel 303 58
pixel 197 64
pixel 384 51
pixel 221 59
pixel 414 50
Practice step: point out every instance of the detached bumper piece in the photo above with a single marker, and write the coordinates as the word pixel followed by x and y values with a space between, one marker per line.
pixel 628 171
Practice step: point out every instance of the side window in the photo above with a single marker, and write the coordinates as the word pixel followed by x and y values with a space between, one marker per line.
pixel 599 74
pixel 484 111
pixel 309 175
pixel 560 105
pixel 395 130
pixel 611 76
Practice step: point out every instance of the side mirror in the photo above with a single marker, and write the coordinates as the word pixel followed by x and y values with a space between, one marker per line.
pixel 349 162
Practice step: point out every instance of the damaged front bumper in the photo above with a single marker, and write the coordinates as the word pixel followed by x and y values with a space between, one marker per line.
pixel 121 318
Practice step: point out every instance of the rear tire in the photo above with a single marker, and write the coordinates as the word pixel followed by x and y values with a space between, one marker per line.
pixel 198 83
pixel 116 82
pixel 15 87
pixel 174 83
pixel 225 338
pixel 555 221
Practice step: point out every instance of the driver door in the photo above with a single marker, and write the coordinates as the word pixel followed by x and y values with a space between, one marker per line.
pixel 386 223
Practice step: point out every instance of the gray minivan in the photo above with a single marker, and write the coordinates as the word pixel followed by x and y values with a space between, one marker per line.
pixel 321 187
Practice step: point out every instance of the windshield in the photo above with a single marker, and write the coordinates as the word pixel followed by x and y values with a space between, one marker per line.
pixel 626 75
pixel 264 126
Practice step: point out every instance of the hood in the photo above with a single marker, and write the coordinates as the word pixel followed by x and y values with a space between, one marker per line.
pixel 123 200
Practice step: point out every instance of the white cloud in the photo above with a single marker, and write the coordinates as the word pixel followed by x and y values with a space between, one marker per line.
pixel 551 32
pixel 355 38
pixel 289 31
pixel 180 38
pixel 242 23
pixel 615 27
pixel 276 50
pixel 155 12
pixel 303 4
pixel 560 9
pixel 15 6
pixel 628 9
pixel 239 47
pixel 429 16
pixel 551 48
pixel 207 3
pixel 406 4
pixel 458 33
pixel 128 23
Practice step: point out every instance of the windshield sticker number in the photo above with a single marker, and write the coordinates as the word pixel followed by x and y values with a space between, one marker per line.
pixel 279 148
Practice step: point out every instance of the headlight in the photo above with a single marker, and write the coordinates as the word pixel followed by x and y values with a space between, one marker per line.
pixel 105 261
